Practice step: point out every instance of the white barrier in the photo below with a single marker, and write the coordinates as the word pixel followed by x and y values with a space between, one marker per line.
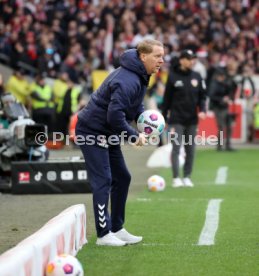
pixel 65 233
pixel 162 157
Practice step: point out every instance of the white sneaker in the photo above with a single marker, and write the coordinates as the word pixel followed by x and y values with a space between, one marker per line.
pixel 177 183
pixel 128 238
pixel 110 239
pixel 187 182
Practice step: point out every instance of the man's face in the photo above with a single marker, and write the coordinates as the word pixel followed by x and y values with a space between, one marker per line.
pixel 154 60
pixel 187 63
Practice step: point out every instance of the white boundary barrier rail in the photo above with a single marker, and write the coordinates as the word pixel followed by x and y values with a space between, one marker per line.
pixel 65 233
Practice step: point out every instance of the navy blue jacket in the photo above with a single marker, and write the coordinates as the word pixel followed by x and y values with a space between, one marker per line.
pixel 119 99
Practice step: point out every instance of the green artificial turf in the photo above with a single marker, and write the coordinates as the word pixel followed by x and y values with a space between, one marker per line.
pixel 171 222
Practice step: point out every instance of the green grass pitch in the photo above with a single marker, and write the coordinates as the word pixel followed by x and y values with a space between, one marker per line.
pixel 171 223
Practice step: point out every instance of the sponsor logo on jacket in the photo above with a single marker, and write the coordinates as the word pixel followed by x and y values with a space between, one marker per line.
pixel 178 83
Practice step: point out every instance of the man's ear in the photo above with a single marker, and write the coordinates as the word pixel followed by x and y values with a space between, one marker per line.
pixel 142 57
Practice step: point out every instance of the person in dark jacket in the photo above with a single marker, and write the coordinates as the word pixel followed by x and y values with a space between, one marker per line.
pixel 184 102
pixel 221 94
pixel 108 114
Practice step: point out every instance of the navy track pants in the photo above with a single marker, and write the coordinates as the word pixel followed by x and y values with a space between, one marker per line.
pixel 109 178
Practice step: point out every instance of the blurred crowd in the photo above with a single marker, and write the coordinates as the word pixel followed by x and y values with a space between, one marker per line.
pixel 78 36
pixel 71 38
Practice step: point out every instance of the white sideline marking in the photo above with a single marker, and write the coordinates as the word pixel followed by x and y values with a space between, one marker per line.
pixel 210 227
pixel 222 175
pixel 159 199
pixel 157 244
pixel 143 199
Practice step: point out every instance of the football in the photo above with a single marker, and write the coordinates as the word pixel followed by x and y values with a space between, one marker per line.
pixel 64 265
pixel 156 183
pixel 151 122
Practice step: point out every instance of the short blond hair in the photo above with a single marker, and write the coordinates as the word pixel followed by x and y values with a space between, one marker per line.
pixel 146 46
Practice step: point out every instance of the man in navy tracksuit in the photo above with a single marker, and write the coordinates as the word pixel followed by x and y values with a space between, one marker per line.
pixel 108 114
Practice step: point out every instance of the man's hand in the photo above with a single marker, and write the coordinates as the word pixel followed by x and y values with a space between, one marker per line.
pixel 142 140
pixel 202 115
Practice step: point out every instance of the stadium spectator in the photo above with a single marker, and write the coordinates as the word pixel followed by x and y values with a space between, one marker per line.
pixel 68 105
pixel 116 103
pixel 142 34
pixel 60 87
pixel 69 67
pixel 247 91
pixel 18 86
pixel 185 93
pixel 221 96
pixel 43 107
pixel 49 61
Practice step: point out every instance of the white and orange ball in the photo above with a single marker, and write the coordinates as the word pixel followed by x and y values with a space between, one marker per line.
pixel 156 183
pixel 64 265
